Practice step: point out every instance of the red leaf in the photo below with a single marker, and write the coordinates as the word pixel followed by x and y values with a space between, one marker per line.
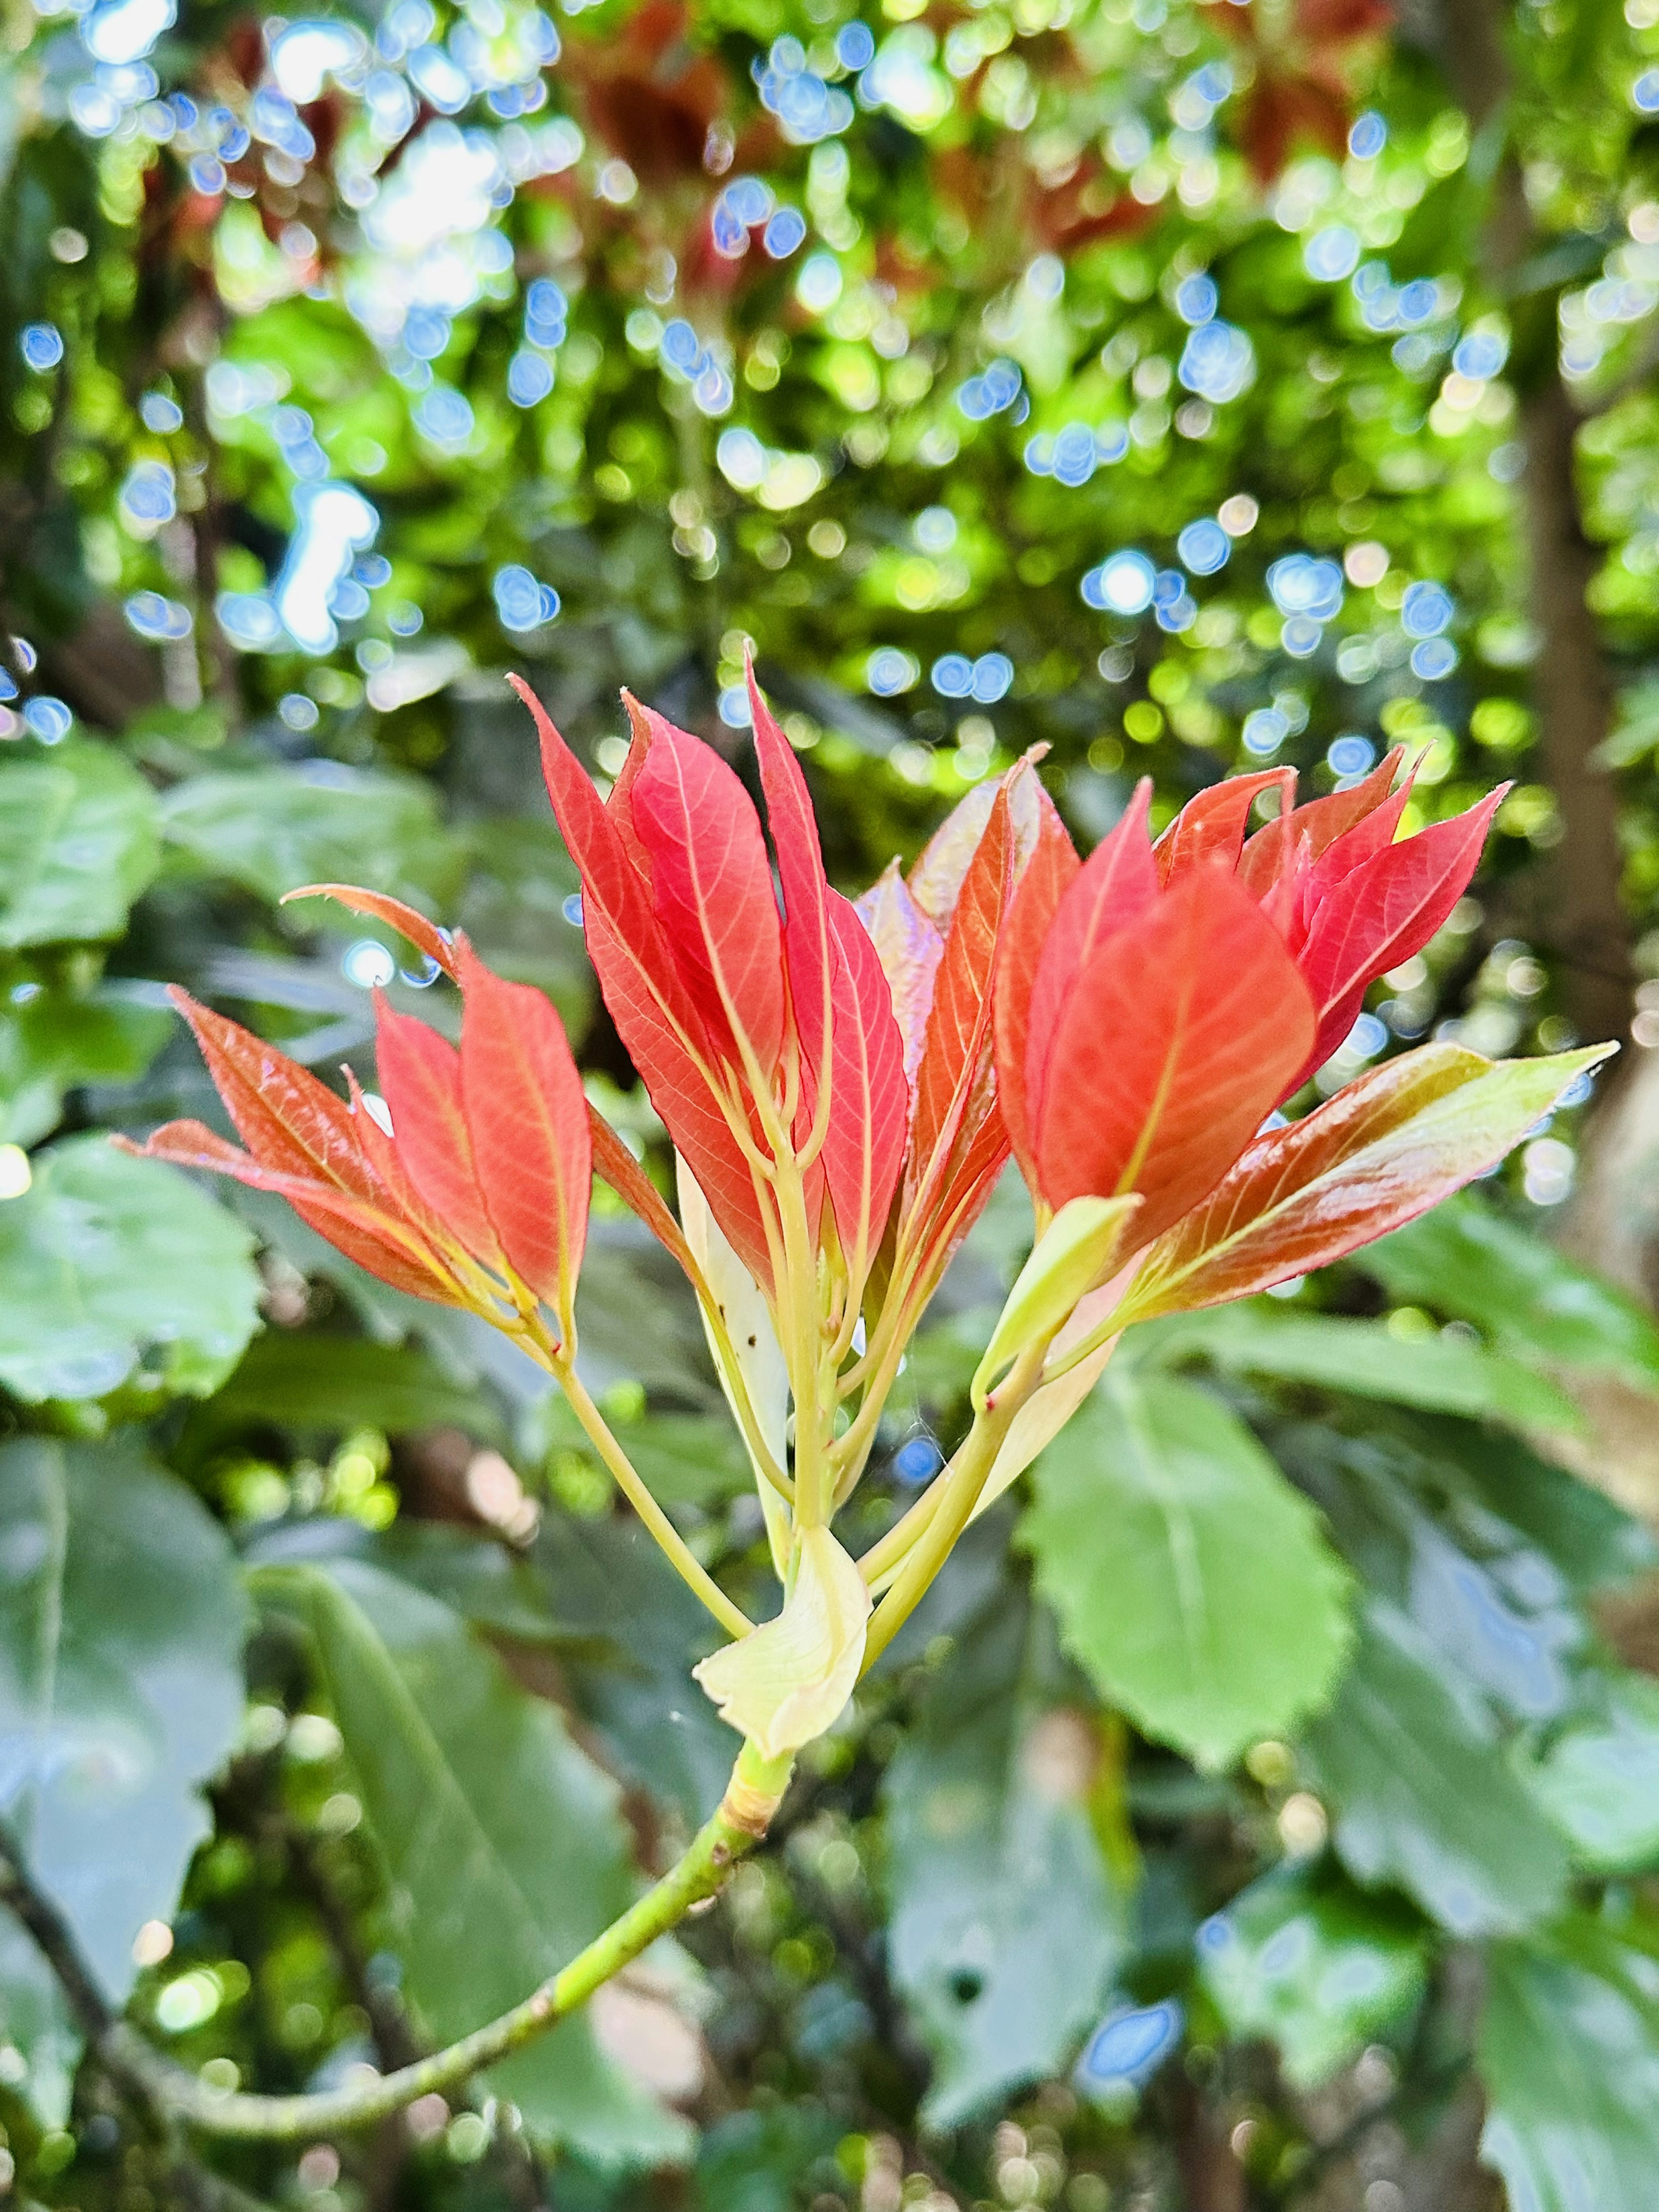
pixel 1318 824
pixel 287 1119
pixel 909 949
pixel 1384 1149
pixel 420 1077
pixel 937 878
pixel 424 935
pixel 869 1099
pixel 712 888
pixel 1210 826
pixel 1115 883
pixel 800 872
pixel 664 1034
pixel 386 1247
pixel 1054 866
pixel 527 1119
pixel 1181 1031
pixel 1382 911
pixel 958 1022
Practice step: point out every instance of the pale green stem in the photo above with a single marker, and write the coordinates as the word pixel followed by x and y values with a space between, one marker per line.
pixel 958 1489
pixel 731 1617
pixel 752 1796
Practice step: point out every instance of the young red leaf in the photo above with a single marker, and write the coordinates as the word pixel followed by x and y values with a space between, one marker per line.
pixel 1384 1149
pixel 1317 824
pixel 956 1057
pixel 1181 1031
pixel 909 949
pixel 661 1028
pixel 1382 912
pixel 1211 825
pixel 807 933
pixel 388 1248
pixel 420 1077
pixel 287 1119
pixel 527 1120
pixel 937 878
pixel 711 885
pixel 869 1099
pixel 1054 867
pixel 424 935
pixel 1116 883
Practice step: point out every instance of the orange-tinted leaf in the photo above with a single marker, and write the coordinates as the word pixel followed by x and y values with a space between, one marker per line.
pixel 420 1076
pixel 909 949
pixel 287 1119
pixel 1181 1033
pixel 386 1247
pixel 527 1120
pixel 957 1055
pixel 937 878
pixel 424 935
pixel 660 1027
pixel 1382 911
pixel 1319 823
pixel 1384 1149
pixel 1210 826
pixel 800 872
pixel 711 886
pixel 1053 868
pixel 869 1099
pixel 1117 882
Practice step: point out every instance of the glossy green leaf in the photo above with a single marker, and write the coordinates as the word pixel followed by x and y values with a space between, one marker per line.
pixel 52 1042
pixel 109 1261
pixel 1465 1259
pixel 503 1842
pixel 1568 2053
pixel 1192 1582
pixel 1598 1781
pixel 1005 1925
pixel 121 1628
pixel 273 828
pixel 78 842
pixel 1422 1794
pixel 315 1382
pixel 1440 1374
pixel 1315 1967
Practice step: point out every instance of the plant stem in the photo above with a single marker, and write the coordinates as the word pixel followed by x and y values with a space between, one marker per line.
pixel 730 1616
pixel 753 1795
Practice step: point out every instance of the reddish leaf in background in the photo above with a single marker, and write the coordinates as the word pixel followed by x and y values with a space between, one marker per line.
pixel 869 1097
pixel 910 948
pixel 420 1077
pixel 1054 868
pixel 1183 1030
pixel 527 1118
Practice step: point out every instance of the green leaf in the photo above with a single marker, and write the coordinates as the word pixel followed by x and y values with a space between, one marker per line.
pixel 1192 1582
pixel 1465 1259
pixel 1314 1966
pixel 606 1580
pixel 687 1459
pixel 273 828
pixel 313 1382
pixel 78 842
pixel 1436 1373
pixel 1599 1781
pixel 1424 1795
pixel 503 1843
pixel 1569 2050
pixel 1005 1926
pixel 53 1042
pixel 121 1628
pixel 108 1261
pixel 34 2022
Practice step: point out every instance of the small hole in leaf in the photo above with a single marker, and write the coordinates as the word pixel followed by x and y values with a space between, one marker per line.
pixel 966 1986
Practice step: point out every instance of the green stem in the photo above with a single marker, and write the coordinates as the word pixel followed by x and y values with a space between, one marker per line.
pixel 732 1618
pixel 752 1796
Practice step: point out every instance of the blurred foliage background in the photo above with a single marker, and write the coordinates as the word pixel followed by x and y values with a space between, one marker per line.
pixel 1264 1812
